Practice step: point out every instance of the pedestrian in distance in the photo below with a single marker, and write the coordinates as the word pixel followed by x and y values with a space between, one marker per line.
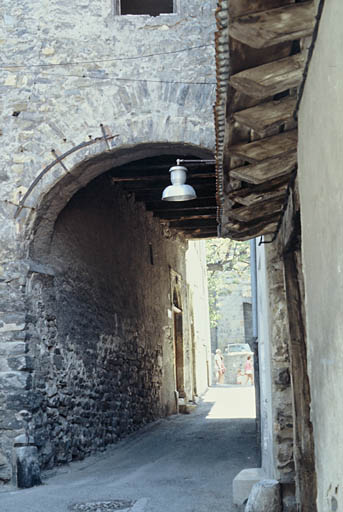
pixel 220 368
pixel 248 370
pixel 239 378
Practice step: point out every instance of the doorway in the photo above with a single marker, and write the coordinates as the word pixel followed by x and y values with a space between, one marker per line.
pixel 178 351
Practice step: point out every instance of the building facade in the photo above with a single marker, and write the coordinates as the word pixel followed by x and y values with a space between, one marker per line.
pixel 96 323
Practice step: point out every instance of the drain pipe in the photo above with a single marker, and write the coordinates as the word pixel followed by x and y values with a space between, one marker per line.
pixel 253 267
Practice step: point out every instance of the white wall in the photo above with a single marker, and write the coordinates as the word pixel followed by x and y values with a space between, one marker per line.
pixel 264 344
pixel 321 189
pixel 197 281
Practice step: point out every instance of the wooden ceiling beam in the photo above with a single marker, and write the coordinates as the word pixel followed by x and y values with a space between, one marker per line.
pixel 255 198
pixel 275 26
pixel 267 170
pixel 257 211
pixel 142 186
pixel 267 116
pixel 196 213
pixel 241 7
pixel 269 79
pixel 160 206
pixel 242 235
pixel 154 195
pixel 263 149
pixel 146 176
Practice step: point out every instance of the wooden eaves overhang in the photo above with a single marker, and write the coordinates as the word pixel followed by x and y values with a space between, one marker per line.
pixel 260 52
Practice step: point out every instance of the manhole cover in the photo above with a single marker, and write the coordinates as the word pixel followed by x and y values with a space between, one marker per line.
pixel 102 506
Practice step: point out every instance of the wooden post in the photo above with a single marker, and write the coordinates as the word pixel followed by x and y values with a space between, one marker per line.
pixel 306 484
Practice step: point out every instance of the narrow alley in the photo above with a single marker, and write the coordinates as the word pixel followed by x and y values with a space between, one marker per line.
pixel 181 463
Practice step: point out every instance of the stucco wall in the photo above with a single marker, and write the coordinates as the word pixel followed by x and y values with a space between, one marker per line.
pixel 320 182
pixel 200 325
pixel 264 348
pixel 231 328
pixel 61 104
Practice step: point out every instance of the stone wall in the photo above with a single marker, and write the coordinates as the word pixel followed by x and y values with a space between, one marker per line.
pixel 276 393
pixel 163 99
pixel 100 361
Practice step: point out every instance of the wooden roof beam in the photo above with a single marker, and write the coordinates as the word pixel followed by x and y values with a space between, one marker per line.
pixel 256 198
pixel 269 79
pixel 267 170
pixel 274 26
pixel 267 116
pixel 247 234
pixel 257 211
pixel 263 149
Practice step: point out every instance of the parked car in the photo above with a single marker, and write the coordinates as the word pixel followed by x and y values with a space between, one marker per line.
pixel 238 348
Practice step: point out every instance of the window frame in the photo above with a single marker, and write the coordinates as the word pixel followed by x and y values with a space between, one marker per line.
pixel 117 10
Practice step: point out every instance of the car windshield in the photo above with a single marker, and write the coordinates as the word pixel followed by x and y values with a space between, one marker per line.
pixel 238 348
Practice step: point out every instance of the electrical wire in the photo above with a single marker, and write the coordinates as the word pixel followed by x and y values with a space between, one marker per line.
pixel 123 79
pixel 113 59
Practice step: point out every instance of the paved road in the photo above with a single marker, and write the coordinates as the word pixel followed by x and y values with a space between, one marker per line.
pixel 185 463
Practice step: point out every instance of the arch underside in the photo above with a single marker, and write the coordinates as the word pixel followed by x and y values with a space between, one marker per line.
pixel 141 172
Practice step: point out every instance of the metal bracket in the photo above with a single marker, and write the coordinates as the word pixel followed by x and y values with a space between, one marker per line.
pixel 59 159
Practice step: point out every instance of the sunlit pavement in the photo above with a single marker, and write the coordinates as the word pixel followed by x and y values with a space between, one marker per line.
pixel 184 463
pixel 231 402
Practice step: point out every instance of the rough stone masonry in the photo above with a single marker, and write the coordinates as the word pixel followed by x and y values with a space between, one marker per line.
pixel 81 362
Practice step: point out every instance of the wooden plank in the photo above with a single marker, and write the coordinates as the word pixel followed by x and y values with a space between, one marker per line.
pixel 261 210
pixel 256 198
pixel 195 213
pixel 266 170
pixel 142 185
pixel 274 26
pixel 162 177
pixel 262 229
pixel 160 206
pixel 269 79
pixel 266 116
pixel 240 7
pixel 263 149
pixel 181 218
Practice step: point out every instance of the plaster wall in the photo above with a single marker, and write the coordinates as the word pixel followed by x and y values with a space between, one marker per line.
pixel 71 68
pixel 231 328
pixel 200 322
pixel 320 184
pixel 264 348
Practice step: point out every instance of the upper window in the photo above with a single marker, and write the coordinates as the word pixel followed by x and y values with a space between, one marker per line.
pixel 150 7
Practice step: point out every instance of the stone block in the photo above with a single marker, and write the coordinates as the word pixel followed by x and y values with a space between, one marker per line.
pixel 265 497
pixel 5 469
pixel 28 471
pixel 243 483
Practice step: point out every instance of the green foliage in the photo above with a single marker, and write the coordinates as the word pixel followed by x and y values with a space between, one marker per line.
pixel 228 264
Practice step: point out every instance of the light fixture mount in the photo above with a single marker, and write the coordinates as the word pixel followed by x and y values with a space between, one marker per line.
pixel 179 190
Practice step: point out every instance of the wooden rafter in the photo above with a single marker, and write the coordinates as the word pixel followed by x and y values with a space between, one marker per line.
pixel 267 116
pixel 257 211
pixel 275 26
pixel 263 149
pixel 269 79
pixel 255 198
pixel 266 170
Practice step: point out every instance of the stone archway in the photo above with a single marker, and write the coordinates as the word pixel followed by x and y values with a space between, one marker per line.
pixel 98 296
